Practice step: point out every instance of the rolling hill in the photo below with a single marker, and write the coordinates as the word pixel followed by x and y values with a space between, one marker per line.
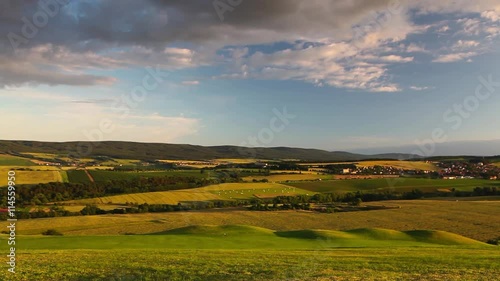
pixel 155 151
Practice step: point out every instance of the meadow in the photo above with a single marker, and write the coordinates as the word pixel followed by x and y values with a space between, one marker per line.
pixel 249 253
pixel 392 184
pixel 473 219
pixel 9 160
pixel 446 263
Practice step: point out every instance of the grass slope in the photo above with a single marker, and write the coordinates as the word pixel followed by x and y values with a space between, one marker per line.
pixel 399 184
pixel 9 160
pixel 154 151
pixel 475 220
pixel 250 237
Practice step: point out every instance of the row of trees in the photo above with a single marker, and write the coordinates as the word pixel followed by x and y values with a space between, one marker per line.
pixel 44 193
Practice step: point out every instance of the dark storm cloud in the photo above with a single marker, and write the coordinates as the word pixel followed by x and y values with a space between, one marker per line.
pixel 96 24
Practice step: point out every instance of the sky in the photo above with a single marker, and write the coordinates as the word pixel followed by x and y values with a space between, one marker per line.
pixel 353 75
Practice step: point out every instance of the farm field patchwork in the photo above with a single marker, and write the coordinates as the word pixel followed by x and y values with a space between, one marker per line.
pixel 289 177
pixel 399 184
pixel 407 165
pixel 471 219
pixel 227 191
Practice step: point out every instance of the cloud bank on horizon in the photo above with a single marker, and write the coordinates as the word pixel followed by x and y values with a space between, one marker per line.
pixel 66 59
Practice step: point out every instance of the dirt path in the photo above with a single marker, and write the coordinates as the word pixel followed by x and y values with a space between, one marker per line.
pixel 89 175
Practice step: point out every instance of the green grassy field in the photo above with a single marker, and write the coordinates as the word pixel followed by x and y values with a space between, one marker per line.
pixel 9 160
pixel 111 175
pixel 399 184
pixel 64 176
pixel 77 176
pixel 250 253
pixel 99 175
pixel 445 263
pixel 473 219
pixel 250 237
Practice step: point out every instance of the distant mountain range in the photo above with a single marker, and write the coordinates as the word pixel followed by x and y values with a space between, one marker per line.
pixel 155 151
pixel 471 148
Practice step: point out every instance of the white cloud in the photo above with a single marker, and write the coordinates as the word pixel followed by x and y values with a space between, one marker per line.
pixel 443 29
pixel 419 88
pixel 454 57
pixel 465 44
pixel 55 65
pixel 414 48
pixel 191 82
pixel 335 64
pixel 491 15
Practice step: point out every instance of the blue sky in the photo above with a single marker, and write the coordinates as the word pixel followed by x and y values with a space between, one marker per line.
pixel 353 74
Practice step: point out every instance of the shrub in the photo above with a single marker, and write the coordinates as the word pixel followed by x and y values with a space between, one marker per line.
pixel 52 232
pixel 495 241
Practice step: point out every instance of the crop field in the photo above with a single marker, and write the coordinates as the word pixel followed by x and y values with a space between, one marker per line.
pixel 162 197
pixel 77 176
pixel 29 168
pixel 64 176
pixel 181 173
pixel 236 161
pixel 33 177
pixel 111 175
pixel 42 155
pixel 227 191
pixel 104 168
pixel 407 165
pixel 399 184
pixel 230 191
pixel 471 219
pixel 9 160
pixel 289 177
pixel 191 163
pixel 101 175
pixel 121 162
pixel 237 252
